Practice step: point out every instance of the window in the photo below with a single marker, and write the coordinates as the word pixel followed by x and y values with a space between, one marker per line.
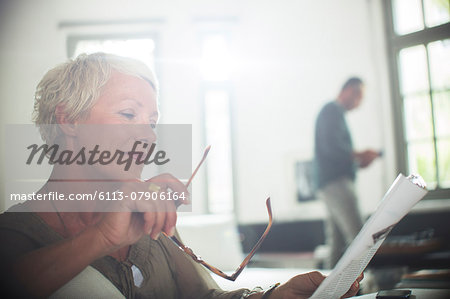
pixel 215 67
pixel 141 47
pixel 219 174
pixel 419 46
pixel 415 15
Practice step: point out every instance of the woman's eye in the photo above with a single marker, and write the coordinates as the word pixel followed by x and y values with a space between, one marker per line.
pixel 127 115
pixel 153 126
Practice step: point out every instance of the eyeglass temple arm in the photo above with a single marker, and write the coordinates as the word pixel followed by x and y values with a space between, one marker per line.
pixel 257 245
pixel 205 154
pixel 188 251
pixel 243 264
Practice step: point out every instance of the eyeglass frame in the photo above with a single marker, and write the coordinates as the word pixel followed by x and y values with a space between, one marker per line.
pixel 244 263
pixel 197 259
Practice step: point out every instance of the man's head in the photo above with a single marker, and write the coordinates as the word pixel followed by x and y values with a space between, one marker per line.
pixel 351 94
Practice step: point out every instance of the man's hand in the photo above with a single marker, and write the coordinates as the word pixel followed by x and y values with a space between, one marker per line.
pixel 365 158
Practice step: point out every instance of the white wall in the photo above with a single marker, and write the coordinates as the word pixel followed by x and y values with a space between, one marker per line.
pixel 291 58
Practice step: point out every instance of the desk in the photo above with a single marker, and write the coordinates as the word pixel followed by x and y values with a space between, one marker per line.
pixel 418 294
pixel 431 260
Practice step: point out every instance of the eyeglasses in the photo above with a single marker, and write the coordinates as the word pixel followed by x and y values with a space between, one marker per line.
pixel 247 259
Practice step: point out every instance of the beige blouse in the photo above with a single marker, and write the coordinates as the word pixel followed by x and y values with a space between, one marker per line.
pixel 167 271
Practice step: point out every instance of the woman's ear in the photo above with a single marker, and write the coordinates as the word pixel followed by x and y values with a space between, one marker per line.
pixel 61 119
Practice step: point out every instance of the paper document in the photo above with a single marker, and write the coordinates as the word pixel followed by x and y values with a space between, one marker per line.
pixel 397 202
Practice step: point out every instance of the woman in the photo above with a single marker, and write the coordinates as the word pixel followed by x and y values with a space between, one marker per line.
pixel 93 253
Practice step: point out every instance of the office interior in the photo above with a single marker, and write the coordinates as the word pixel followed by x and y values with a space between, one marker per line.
pixel 250 78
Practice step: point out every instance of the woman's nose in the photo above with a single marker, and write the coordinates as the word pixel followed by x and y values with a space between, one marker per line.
pixel 145 134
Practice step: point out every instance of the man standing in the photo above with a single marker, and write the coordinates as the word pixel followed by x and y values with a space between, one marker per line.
pixel 336 164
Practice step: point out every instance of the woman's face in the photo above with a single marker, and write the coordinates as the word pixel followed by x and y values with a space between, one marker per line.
pixel 125 112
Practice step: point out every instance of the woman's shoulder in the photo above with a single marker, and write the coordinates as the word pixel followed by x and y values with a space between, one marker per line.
pixel 17 222
pixel 15 219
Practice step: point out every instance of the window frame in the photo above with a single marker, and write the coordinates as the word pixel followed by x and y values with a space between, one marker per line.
pixel 227 87
pixel 73 39
pixel 395 43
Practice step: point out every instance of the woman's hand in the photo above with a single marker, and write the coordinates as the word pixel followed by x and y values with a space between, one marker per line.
pixel 304 285
pixel 141 217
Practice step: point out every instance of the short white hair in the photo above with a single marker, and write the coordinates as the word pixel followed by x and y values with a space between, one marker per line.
pixel 76 85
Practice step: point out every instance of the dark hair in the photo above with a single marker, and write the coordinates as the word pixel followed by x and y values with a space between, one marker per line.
pixel 352 82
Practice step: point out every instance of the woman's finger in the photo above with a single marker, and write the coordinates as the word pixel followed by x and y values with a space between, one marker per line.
pixel 316 277
pixel 354 287
pixel 160 217
pixel 171 218
pixel 149 218
pixel 172 183
pixel 158 225
pixel 353 290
